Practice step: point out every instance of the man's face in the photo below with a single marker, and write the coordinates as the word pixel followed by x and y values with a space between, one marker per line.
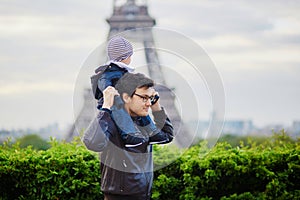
pixel 137 105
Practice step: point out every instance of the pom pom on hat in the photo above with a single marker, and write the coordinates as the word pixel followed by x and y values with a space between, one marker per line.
pixel 119 48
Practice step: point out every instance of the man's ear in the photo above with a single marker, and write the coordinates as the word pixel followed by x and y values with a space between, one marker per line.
pixel 126 97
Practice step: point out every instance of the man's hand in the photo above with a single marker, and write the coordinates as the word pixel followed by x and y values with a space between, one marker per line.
pixel 108 96
pixel 156 106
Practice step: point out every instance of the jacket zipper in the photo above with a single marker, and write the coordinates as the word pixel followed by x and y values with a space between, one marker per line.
pixel 122 184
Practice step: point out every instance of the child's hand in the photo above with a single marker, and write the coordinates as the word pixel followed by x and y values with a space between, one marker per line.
pixel 108 96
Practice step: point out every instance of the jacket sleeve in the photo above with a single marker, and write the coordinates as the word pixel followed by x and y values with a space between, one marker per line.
pixel 164 132
pixel 96 135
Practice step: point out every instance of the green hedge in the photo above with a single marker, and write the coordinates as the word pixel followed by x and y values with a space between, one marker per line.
pixel 65 171
pixel 270 170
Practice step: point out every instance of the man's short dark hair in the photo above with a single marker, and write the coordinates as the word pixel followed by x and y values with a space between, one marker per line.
pixel 129 82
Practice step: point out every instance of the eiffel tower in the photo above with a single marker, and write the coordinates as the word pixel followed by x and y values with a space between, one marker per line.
pixel 133 15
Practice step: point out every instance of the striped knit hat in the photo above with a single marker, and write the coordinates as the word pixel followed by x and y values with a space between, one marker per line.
pixel 119 48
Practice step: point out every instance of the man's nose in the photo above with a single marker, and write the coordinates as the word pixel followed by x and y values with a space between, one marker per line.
pixel 148 102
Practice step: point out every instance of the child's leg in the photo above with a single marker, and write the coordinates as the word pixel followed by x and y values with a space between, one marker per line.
pixel 129 133
pixel 121 117
pixel 147 124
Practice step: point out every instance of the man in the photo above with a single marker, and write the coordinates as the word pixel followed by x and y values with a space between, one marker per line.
pixel 127 172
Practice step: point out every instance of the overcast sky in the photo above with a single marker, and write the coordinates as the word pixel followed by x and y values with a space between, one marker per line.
pixel 254 45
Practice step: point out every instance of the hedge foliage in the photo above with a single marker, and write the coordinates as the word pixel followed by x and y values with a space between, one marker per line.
pixel 268 170
pixel 64 171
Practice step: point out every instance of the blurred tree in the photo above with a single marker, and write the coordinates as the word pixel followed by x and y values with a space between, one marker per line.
pixel 35 141
pixel 246 140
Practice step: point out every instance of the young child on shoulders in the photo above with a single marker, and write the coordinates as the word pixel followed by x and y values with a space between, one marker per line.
pixel 119 51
